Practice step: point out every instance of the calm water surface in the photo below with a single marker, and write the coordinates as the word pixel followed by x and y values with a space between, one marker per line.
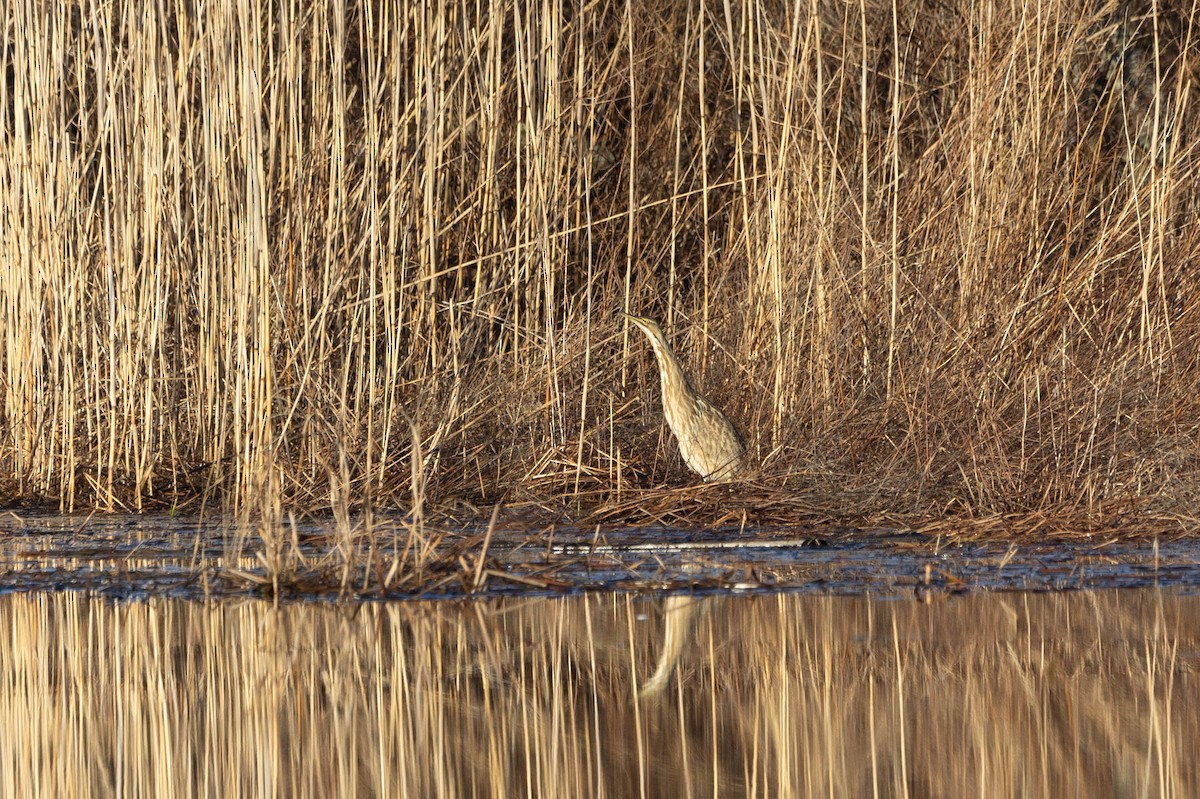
pixel 864 664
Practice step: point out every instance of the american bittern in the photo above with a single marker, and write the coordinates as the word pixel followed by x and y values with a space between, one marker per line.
pixel 710 445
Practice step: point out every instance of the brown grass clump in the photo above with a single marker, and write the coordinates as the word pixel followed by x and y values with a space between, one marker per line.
pixel 933 254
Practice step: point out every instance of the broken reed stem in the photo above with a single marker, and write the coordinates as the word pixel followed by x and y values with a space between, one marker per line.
pixel 480 574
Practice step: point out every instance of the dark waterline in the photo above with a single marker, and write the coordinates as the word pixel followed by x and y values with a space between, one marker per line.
pixel 131 557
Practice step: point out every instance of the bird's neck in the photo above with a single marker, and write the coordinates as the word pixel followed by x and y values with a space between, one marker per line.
pixel 674 382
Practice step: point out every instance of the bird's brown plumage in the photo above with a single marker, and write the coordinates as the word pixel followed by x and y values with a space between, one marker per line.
pixel 708 441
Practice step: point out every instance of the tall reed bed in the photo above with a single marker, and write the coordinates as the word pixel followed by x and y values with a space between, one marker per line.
pixel 990 696
pixel 271 255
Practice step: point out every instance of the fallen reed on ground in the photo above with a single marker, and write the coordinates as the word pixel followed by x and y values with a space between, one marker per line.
pixel 934 259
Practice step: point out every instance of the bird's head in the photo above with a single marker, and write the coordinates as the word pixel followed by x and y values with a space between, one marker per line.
pixel 648 326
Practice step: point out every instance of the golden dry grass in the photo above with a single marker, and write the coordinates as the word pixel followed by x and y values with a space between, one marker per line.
pixel 262 256
pixel 1000 695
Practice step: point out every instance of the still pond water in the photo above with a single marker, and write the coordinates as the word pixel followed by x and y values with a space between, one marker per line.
pixel 790 680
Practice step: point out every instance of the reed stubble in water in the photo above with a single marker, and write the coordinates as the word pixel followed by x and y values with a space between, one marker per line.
pixel 948 273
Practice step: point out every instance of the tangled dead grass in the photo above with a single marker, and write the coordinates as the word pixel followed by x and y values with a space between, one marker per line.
pixel 935 260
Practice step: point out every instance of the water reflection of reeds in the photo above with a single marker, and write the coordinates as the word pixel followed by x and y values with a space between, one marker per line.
pixel 990 695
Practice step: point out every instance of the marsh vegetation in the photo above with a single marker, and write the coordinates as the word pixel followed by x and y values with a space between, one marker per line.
pixel 935 260
pixel 344 283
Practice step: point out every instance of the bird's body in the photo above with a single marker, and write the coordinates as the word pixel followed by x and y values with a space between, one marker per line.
pixel 708 441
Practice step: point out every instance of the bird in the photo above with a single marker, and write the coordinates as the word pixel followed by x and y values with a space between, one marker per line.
pixel 708 441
